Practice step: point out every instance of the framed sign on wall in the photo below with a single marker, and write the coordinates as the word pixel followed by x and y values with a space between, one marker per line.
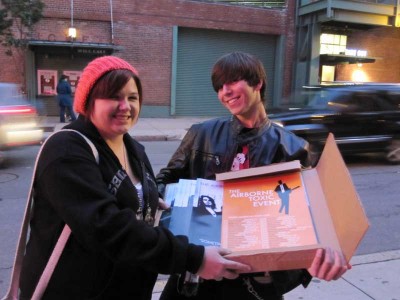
pixel 73 78
pixel 47 82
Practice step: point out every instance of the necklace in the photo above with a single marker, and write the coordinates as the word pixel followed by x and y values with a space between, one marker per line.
pixel 125 158
pixel 127 167
pixel 144 211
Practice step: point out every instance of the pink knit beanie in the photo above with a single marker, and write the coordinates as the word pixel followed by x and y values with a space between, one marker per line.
pixel 92 72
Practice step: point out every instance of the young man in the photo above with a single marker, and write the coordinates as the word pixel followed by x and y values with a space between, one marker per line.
pixel 212 146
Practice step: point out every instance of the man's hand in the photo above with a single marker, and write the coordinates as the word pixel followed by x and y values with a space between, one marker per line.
pixel 162 204
pixel 328 265
pixel 215 266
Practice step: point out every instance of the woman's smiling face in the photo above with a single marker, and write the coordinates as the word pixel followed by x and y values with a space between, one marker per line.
pixel 115 115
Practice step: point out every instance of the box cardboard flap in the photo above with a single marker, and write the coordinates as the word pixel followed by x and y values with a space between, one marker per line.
pixel 347 213
pixel 269 169
pixel 320 213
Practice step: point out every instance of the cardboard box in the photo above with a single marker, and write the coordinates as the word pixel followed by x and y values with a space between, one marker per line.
pixel 269 211
pixel 336 211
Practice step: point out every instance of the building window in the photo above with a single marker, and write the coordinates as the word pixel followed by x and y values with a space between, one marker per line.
pixel 262 4
pixel 333 44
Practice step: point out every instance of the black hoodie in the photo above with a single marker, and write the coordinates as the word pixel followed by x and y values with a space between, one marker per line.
pixel 110 254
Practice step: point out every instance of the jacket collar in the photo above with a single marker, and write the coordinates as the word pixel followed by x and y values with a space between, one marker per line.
pixel 245 135
pixel 86 127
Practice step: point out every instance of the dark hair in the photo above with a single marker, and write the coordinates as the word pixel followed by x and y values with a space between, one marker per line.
pixel 62 77
pixel 202 197
pixel 109 84
pixel 237 66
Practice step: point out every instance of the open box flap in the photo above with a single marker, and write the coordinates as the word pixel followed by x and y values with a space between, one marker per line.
pixel 269 169
pixel 320 213
pixel 346 210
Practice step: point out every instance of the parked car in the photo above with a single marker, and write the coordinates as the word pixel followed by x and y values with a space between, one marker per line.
pixel 18 119
pixel 363 118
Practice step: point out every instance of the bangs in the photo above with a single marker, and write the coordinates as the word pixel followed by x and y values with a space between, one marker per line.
pixel 226 73
pixel 110 83
pixel 235 67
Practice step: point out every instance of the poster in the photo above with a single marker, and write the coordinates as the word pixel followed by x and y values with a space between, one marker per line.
pixel 73 78
pixel 267 212
pixel 196 210
pixel 245 214
pixel 47 82
pixel 206 217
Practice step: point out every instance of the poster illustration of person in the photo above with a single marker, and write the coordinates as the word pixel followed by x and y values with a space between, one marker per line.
pixel 283 192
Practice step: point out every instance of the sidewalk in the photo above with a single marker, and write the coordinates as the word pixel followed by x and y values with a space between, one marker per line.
pixel 146 129
pixel 373 276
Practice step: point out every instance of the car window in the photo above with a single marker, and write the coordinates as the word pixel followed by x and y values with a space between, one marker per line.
pixel 300 97
pixel 365 101
pixel 393 100
pixel 331 98
pixel 359 100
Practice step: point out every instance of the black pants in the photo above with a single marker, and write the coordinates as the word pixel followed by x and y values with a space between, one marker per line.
pixel 221 290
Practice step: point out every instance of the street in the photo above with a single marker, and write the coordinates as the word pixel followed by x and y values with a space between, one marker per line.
pixel 376 182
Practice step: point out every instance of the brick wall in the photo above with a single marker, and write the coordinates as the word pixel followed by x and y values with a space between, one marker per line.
pixel 382 43
pixel 144 30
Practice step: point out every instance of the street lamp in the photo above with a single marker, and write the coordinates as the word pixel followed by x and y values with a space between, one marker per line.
pixel 72 33
pixel 72 29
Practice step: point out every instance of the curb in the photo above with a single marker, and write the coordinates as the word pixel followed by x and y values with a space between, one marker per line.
pixel 152 138
pixel 139 138
pixel 49 129
pixel 375 257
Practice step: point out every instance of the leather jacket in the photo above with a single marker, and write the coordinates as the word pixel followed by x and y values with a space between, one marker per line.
pixel 210 147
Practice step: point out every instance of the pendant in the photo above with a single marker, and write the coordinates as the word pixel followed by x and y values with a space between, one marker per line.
pixel 148 218
pixel 139 214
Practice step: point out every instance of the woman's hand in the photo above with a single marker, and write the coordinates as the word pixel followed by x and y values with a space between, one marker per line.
pixel 328 265
pixel 216 267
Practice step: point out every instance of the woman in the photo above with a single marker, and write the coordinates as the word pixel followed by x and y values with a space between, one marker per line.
pixel 64 96
pixel 114 251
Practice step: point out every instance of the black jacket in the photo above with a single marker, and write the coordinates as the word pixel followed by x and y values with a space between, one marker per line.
pixel 210 147
pixel 110 254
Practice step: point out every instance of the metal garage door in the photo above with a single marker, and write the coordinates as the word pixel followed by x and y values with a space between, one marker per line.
pixel 197 51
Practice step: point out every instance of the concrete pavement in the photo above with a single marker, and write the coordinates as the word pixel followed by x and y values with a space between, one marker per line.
pixel 146 129
pixel 373 276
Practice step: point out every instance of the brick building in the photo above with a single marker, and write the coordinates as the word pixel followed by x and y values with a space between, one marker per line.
pixel 174 43
pixel 355 40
